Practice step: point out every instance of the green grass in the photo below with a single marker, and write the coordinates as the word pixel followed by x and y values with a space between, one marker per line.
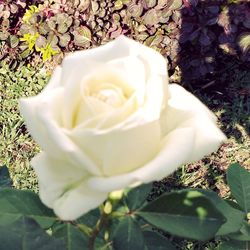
pixel 16 146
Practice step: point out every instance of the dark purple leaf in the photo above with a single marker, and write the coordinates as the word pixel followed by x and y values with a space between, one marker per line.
pixel 213 9
pixel 193 2
pixel 204 39
pixel 203 69
pixel 187 27
pixel 212 21
pixel 184 37
pixel 195 63
pixel 246 23
pixel 194 35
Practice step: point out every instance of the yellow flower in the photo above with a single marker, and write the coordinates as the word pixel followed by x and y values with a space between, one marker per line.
pixel 28 14
pixel 47 52
pixel 30 39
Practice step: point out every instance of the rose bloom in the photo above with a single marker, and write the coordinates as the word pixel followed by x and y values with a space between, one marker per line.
pixel 107 120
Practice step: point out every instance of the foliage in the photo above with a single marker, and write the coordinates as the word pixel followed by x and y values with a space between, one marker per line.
pixel 191 34
pixel 190 213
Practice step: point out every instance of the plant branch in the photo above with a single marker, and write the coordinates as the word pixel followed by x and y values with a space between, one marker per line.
pixel 99 225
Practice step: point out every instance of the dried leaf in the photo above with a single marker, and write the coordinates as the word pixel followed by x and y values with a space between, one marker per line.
pixel 5 24
pixel 6 14
pixel 135 10
pixel 41 42
pixel 154 40
pixel 150 3
pixel 13 8
pixel 82 36
pixel 43 28
pixel 164 15
pixel 52 23
pixel 151 17
pixel 95 6
pixel 176 16
pixel 64 40
pixel 62 28
pixel 164 4
pixel 84 5
pixel 176 5
pixel 118 4
pixel 4 35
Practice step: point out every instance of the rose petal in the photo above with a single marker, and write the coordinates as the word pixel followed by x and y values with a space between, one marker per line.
pixel 111 120
pixel 28 108
pixel 55 175
pixel 174 152
pixel 134 72
pixel 75 65
pixel 185 110
pixel 155 98
pixel 183 100
pixel 130 148
pixel 40 114
pixel 81 63
pixel 78 201
pixel 62 187
pixel 89 109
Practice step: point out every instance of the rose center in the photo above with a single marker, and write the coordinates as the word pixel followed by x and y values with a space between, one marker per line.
pixel 111 96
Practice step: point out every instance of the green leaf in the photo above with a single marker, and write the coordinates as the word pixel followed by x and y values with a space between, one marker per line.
pixel 25 53
pixel 74 239
pixel 90 219
pixel 17 203
pixel 184 213
pixel 13 41
pixel 135 197
pixel 5 180
pixel 234 217
pixel 25 234
pixel 243 234
pixel 154 241
pixel 128 235
pixel 238 180
pixel 234 245
pixel 107 246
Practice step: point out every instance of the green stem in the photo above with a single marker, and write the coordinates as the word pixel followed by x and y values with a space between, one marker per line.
pixel 99 225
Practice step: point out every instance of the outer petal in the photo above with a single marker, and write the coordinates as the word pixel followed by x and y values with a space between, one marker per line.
pixel 185 110
pixel 78 201
pixel 190 133
pixel 175 151
pixel 122 150
pixel 81 61
pixel 62 187
pixel 42 116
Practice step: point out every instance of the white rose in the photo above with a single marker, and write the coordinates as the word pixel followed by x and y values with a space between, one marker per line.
pixel 107 120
